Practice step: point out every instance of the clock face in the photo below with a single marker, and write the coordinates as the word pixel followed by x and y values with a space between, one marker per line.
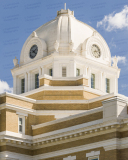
pixel 33 51
pixel 96 51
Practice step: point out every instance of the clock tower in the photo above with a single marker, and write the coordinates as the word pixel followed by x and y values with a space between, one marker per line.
pixel 65 54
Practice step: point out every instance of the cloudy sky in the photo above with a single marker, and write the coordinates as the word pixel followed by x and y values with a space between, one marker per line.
pixel 18 19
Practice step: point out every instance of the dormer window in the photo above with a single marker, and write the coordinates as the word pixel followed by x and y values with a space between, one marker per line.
pixel 21 124
pixel 50 72
pixel 23 85
pixel 92 80
pixel 77 72
pixel 37 80
pixel 107 85
pixel 63 71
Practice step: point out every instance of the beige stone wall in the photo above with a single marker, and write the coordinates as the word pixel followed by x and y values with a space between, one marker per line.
pixel 34 120
pixel 11 121
pixel 69 123
pixel 63 95
pixel 3 120
pixel 81 81
pixel 2 99
pixel 16 150
pixel 19 102
pixel 88 95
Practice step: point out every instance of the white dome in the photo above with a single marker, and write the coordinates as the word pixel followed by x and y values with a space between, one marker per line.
pixel 65 35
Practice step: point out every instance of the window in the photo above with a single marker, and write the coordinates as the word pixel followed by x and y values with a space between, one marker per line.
pixel 20 124
pixel 36 80
pixel 92 80
pixel 50 72
pixel 93 158
pixel 93 155
pixel 63 71
pixel 22 85
pixel 107 85
pixel 77 72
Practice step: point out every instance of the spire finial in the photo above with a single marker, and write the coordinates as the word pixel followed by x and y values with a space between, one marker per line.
pixel 65 6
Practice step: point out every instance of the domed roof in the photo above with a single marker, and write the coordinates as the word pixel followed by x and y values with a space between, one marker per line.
pixel 65 35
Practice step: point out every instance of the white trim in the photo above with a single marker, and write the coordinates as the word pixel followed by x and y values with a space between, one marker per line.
pixel 70 158
pixel 22 114
pixel 93 153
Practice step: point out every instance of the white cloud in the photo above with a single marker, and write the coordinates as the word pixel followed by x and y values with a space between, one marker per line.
pixel 120 59
pixel 4 87
pixel 124 85
pixel 115 21
pixel 112 43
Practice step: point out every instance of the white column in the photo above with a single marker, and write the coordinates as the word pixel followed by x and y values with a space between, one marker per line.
pixel 101 81
pixel 29 81
pixel 89 77
pixel 14 85
pixel 18 85
pixel 85 71
pixel 104 83
pixel 26 82
pixel 72 67
pixel 115 84
pixel 56 68
pixel 42 70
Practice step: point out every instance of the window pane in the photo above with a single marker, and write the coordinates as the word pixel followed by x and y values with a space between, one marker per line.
pixel 20 128
pixel 20 121
pixel 77 72
pixel 20 124
pixel 63 71
pixel 36 80
pixel 50 72
pixel 22 85
pixel 107 85
pixel 92 80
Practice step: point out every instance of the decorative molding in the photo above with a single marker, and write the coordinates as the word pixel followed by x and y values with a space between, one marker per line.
pixel 93 153
pixel 22 114
pixel 70 158
pixel 105 143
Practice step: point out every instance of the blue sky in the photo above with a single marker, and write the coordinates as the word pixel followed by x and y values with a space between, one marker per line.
pixel 18 19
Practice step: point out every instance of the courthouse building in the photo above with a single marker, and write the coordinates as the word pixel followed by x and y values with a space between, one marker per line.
pixel 65 103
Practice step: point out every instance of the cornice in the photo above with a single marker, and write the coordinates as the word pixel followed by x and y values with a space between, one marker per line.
pixel 54 139
pixel 111 144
